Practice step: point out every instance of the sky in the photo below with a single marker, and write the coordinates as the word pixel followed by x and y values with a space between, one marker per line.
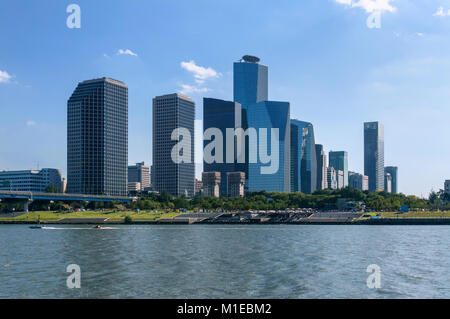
pixel 338 62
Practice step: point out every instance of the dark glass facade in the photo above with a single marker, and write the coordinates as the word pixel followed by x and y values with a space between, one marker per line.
pixel 221 114
pixel 339 161
pixel 97 138
pixel 303 157
pixel 374 155
pixel 169 113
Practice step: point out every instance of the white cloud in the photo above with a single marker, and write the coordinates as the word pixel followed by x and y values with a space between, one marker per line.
pixel 30 123
pixel 4 77
pixel 199 72
pixel 370 5
pixel 441 13
pixel 126 52
pixel 187 89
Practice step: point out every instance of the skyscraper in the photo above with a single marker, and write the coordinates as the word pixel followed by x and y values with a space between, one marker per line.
pixel 321 158
pixel 139 173
pixel 374 155
pixel 173 168
pixel 339 161
pixel 97 138
pixel 303 158
pixel 393 170
pixel 251 91
pixel 221 115
pixel 331 178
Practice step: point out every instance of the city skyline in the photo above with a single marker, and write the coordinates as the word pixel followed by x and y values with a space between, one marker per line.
pixel 362 95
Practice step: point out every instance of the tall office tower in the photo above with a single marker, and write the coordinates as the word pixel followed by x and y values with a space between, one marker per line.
pixel 211 183
pixel 387 182
pixel 221 115
pixel 139 173
pixel 321 158
pixel 236 182
pixel 303 158
pixel 31 180
pixel 251 91
pixel 271 170
pixel 339 161
pixel 331 178
pixel 250 81
pixel 173 166
pixel 374 155
pixel 393 170
pixel 97 138
pixel 358 181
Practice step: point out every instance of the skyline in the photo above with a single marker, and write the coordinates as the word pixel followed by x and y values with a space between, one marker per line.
pixel 408 97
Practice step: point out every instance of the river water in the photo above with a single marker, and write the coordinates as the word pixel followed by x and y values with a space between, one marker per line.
pixel 225 261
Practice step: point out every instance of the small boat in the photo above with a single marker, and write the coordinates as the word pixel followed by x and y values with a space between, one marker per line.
pixel 36 227
pixel 98 227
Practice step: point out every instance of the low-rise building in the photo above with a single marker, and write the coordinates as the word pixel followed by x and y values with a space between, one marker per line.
pixel 340 179
pixel 331 178
pixel 134 187
pixel 31 180
pixel 387 182
pixel 447 186
pixel 236 183
pixel 211 183
pixel 358 181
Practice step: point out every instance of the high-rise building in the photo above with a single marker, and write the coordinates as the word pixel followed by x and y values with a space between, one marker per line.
pixel 236 182
pixel 251 91
pixel 331 178
pixel 211 183
pixel 97 138
pixel 393 170
pixel 221 115
pixel 139 173
pixel 303 158
pixel 374 155
pixel 173 166
pixel 31 180
pixel 358 181
pixel 270 120
pixel 321 158
pixel 387 182
pixel 339 161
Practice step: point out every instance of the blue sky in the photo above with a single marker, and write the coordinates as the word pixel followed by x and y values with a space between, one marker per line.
pixel 334 70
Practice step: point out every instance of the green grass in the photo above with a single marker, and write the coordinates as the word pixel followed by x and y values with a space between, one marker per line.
pixel 47 216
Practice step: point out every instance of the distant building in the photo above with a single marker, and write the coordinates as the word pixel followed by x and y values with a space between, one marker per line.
pixel 134 187
pixel 340 179
pixel 339 161
pixel 211 183
pixel 321 158
pixel 374 155
pixel 393 170
pixel 222 115
pixel 358 181
pixel 387 182
pixel 97 138
pixel 447 186
pixel 331 178
pixel 198 186
pixel 236 182
pixel 64 185
pixel 303 158
pixel 171 172
pixel 139 173
pixel 31 180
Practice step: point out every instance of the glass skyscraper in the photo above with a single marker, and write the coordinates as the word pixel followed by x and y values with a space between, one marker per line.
pixel 393 170
pixel 339 161
pixel 303 157
pixel 221 114
pixel 374 155
pixel 250 89
pixel 170 112
pixel 97 138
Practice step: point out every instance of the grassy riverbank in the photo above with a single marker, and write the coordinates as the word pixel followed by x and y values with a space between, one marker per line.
pixel 112 216
pixel 418 214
